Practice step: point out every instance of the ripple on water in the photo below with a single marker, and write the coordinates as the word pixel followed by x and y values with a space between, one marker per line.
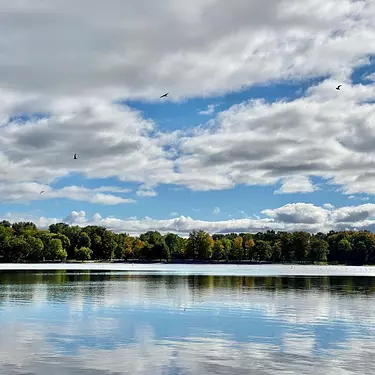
pixel 104 322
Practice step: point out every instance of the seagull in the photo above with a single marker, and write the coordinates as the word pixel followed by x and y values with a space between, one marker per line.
pixel 75 156
pixel 165 95
pixel 41 192
pixel 338 87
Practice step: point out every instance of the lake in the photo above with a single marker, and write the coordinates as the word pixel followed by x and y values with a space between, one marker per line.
pixel 177 320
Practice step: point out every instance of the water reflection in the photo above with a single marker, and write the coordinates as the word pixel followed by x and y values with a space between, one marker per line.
pixel 121 323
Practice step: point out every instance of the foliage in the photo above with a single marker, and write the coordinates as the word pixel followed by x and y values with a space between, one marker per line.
pixel 82 253
pixel 24 242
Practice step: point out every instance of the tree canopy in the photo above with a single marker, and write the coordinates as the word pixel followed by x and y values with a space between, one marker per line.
pixel 24 242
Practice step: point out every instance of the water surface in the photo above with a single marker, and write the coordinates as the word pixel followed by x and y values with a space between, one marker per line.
pixel 119 322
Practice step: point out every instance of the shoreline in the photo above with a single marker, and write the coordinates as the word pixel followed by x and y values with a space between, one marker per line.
pixel 207 269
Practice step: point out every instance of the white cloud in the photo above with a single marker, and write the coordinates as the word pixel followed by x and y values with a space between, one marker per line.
pixel 146 193
pixel 291 217
pixel 24 192
pixel 99 49
pixel 296 184
pixel 210 110
pixel 82 58
pixel 369 77
pixel 358 198
pixel 216 210
pixel 328 206
pixel 256 143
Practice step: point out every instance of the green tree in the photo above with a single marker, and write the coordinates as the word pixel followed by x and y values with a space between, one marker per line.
pixel 287 247
pixel 109 244
pixel 83 240
pixel 21 227
pixel 96 244
pixel 15 249
pixel 318 249
pixel 174 243
pixel 227 247
pixel 156 246
pixel 218 252
pixel 128 247
pixel 64 240
pixel 138 247
pixel 55 250
pixel 199 245
pixel 237 248
pixel 276 251
pixel 83 253
pixel 345 249
pixel 58 228
pixel 120 249
pixel 249 245
pixel 35 249
pixel 5 223
pixel 301 245
pixel 6 233
pixel 262 250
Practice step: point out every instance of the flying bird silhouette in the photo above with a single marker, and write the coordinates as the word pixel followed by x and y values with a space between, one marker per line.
pixel 41 192
pixel 165 95
pixel 75 156
pixel 338 87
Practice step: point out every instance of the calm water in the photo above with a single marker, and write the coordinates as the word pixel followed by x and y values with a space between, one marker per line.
pixel 118 322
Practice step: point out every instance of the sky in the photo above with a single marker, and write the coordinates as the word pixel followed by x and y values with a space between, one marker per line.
pixel 253 135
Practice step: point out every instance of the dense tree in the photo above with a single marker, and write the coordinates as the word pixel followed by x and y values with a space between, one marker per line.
pixel 301 245
pixel 276 251
pixel 83 240
pixel 156 247
pixel 249 246
pixel 237 248
pixel 262 250
pixel 199 245
pixel 36 248
pixel 21 227
pixel 55 250
pixel 83 253
pixel 227 247
pixel 64 240
pixel 174 243
pixel 287 247
pixel 318 249
pixel 218 252
pixel 24 242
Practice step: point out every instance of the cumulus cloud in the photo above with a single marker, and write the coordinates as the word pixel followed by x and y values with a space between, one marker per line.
pixel 296 184
pixel 146 193
pixel 100 48
pixel 24 192
pixel 210 109
pixel 74 62
pixel 354 197
pixel 291 217
pixel 369 77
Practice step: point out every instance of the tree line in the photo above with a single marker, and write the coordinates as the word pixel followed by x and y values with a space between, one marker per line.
pixel 24 242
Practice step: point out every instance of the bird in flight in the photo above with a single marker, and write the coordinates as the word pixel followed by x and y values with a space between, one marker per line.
pixel 165 95
pixel 75 156
pixel 338 87
pixel 41 192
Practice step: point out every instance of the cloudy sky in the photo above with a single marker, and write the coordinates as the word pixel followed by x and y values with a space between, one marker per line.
pixel 253 135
